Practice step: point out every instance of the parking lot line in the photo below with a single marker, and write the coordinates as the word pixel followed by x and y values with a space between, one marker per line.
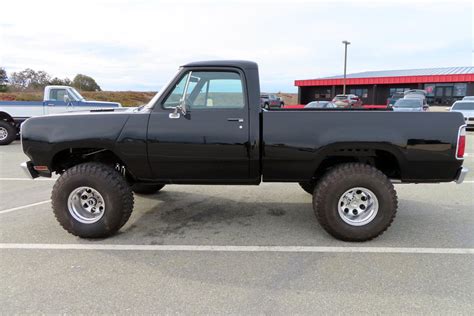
pixel 24 206
pixel 204 248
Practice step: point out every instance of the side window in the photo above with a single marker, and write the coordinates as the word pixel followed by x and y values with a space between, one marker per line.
pixel 217 90
pixel 57 94
pixel 208 90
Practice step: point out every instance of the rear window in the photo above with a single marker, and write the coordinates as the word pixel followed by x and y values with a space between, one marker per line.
pixel 264 96
pixel 464 106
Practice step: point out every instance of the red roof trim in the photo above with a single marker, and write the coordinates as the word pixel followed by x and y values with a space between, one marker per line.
pixel 386 80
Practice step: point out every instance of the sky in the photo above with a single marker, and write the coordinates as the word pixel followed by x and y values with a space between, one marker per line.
pixel 139 45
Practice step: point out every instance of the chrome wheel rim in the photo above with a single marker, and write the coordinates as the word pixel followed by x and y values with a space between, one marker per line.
pixel 358 206
pixel 3 133
pixel 86 205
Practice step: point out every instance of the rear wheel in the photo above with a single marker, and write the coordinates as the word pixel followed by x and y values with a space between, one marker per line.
pixel 355 202
pixel 92 200
pixel 7 132
pixel 141 188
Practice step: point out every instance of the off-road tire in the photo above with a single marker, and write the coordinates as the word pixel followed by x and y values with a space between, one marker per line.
pixel 342 178
pixel 140 188
pixel 10 130
pixel 308 186
pixel 109 183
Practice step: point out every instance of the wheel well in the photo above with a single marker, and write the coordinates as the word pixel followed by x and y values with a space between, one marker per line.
pixel 6 117
pixel 383 160
pixel 67 158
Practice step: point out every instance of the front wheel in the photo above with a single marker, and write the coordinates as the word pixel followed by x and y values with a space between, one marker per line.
pixel 92 200
pixel 7 132
pixel 355 202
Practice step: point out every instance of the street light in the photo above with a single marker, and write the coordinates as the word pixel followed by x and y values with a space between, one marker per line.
pixel 345 64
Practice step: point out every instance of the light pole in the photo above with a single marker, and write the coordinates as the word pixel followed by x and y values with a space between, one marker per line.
pixel 345 64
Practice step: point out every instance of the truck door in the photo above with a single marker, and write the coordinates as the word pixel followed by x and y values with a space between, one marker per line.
pixel 210 142
pixel 56 102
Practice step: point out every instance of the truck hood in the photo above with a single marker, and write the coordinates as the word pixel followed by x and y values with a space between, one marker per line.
pixel 74 129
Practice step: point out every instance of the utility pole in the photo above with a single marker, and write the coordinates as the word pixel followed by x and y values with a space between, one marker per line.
pixel 345 65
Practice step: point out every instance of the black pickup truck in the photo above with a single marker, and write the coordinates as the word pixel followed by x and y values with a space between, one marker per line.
pixel 207 127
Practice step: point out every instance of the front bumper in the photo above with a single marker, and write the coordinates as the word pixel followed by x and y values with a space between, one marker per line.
pixel 461 175
pixel 30 172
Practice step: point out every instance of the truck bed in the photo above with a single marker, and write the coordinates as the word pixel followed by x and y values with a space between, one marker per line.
pixel 424 144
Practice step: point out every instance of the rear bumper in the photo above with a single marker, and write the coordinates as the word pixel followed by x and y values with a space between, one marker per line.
pixel 27 168
pixel 462 175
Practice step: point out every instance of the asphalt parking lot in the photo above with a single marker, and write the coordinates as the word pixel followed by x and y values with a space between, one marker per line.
pixel 236 249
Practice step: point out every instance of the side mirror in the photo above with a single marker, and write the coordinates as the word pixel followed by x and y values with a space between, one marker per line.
pixel 178 110
pixel 66 98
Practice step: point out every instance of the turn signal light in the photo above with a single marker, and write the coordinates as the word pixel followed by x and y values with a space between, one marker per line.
pixel 461 146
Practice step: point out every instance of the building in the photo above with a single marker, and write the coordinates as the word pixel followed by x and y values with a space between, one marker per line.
pixel 443 85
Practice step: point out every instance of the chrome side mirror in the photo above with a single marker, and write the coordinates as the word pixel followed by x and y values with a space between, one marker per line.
pixel 178 110
pixel 66 98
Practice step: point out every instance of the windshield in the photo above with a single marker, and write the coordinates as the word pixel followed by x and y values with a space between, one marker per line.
pixel 76 94
pixel 408 103
pixel 152 102
pixel 464 106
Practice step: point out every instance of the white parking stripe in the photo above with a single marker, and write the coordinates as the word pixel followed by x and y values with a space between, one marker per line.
pixel 304 249
pixel 22 207
pixel 27 179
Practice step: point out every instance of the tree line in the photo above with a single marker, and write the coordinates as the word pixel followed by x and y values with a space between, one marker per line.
pixel 31 80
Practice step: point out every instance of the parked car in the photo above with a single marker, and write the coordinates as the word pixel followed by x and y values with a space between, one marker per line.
pixel 347 159
pixel 320 105
pixel 392 99
pixel 466 107
pixel 347 101
pixel 268 101
pixel 468 98
pixel 410 105
pixel 56 99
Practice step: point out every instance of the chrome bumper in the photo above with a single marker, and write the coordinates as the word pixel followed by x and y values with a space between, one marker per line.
pixel 27 168
pixel 462 175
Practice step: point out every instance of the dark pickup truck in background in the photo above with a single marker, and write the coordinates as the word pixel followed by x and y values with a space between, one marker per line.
pixel 207 127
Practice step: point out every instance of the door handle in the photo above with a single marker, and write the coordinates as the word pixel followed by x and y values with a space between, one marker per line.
pixel 50 104
pixel 233 119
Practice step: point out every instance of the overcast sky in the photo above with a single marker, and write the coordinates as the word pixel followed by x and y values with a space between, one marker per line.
pixel 138 45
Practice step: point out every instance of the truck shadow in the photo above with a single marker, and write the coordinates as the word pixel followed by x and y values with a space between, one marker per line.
pixel 176 214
